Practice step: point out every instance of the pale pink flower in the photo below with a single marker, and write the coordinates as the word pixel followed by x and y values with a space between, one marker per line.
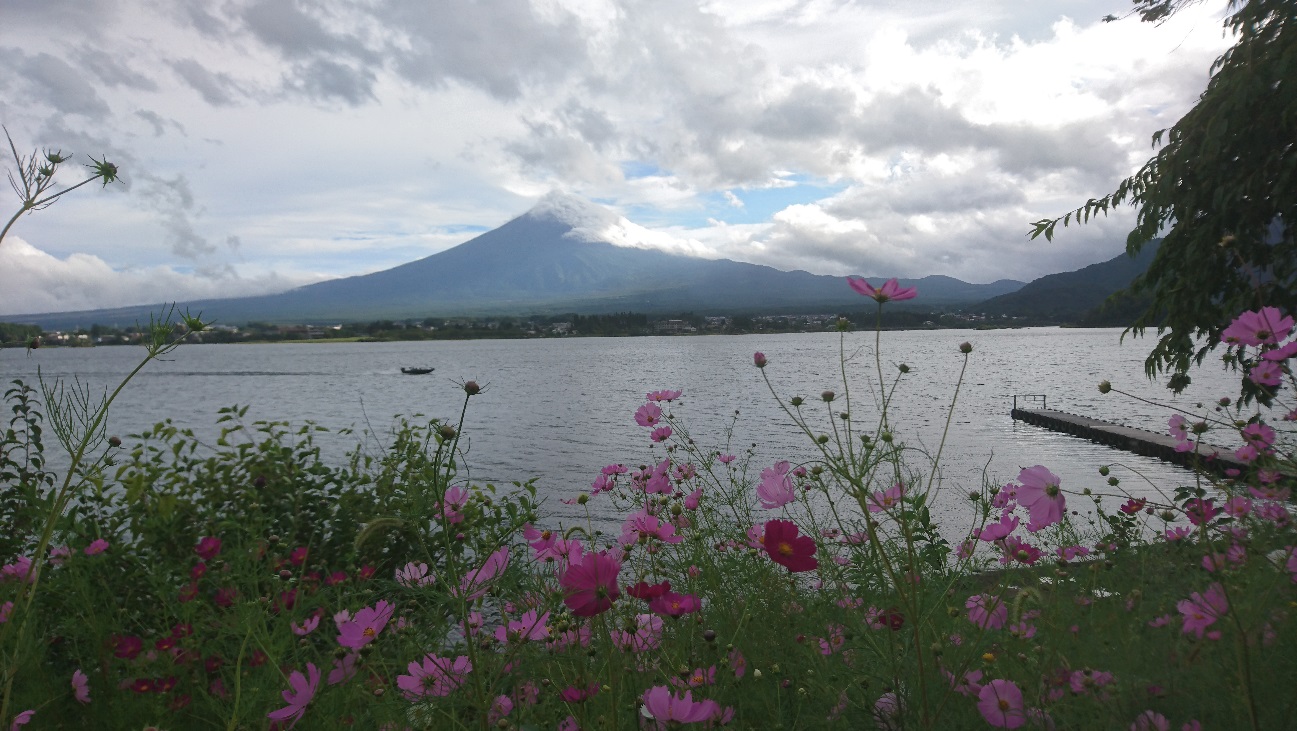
pixel 434 676
pixel 414 574
pixel 344 669
pixel 986 611
pixel 663 395
pixel 647 636
pixel 530 626
pixel 456 498
pixel 501 707
pixel 476 582
pixel 1178 427
pixel 1202 610
pixel 80 686
pixel 22 719
pixel 365 627
pixel 1267 326
pixel 1041 496
pixel 1000 702
pixel 307 627
pixel 969 684
pixel 996 531
pixel 19 570
pixel 648 415
pixel 301 691
pixel 661 434
pixel 776 487
pixel 1150 721
pixel 891 290
pixel 665 708
pixel 886 500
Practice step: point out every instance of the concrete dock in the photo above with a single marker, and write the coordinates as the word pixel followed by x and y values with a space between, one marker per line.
pixel 1138 441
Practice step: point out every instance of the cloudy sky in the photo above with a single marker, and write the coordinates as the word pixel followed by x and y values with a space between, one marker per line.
pixel 269 143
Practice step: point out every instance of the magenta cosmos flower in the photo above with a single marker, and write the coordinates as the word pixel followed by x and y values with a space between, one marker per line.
pixel 1041 496
pixel 788 549
pixel 888 499
pixel 1000 702
pixel 208 547
pixel 301 691
pixel 663 395
pixel 363 628
pixel 776 488
pixel 96 547
pixel 891 290
pixel 672 604
pixel 665 708
pixel 590 584
pixel 434 676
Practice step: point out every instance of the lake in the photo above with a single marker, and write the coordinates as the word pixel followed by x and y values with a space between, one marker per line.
pixel 560 409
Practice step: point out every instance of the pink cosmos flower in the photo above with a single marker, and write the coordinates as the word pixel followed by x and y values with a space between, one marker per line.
pixel 661 434
pixel 891 290
pixel 80 686
pixel 642 524
pixel 501 707
pixel 476 582
pixel 666 708
pixel 1267 326
pixel 414 574
pixel 1201 511
pixel 998 531
pixel 590 584
pixel 307 627
pixel 573 694
pixel 365 627
pixel 1150 721
pixel 127 647
pixel 787 548
pixel 96 547
pixel 1016 549
pixel 1178 426
pixel 693 498
pixel 776 487
pixel 725 458
pixel 301 691
pixel 1000 702
pixel 886 500
pixel 434 676
pixel 5 610
pixel 969 684
pixel 672 604
pixel 208 547
pixel 530 626
pixel 648 415
pixel 344 669
pixel 759 359
pixel 664 395
pixel 1202 610
pixel 986 611
pixel 1282 353
pixel 1041 496
pixel 646 636
pixel 456 498
pixel 1266 373
pixel 21 720
pixel 19 570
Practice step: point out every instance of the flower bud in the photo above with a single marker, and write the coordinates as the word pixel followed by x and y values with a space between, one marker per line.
pixel 114 441
pixel 965 347
pixel 446 432
pixel 797 401
pixel 471 388
pixel 759 359
pixel 827 396
pixel 1104 386
pixel 903 368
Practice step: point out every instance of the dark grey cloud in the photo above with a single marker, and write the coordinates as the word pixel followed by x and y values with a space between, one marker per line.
pixel 457 41
pixel 216 88
pixel 51 82
pixel 112 69
pixel 325 79
pixel 807 111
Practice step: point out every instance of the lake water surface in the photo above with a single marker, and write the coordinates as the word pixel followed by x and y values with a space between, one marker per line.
pixel 560 409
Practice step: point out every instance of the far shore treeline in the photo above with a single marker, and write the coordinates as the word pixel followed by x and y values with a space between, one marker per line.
pixel 621 324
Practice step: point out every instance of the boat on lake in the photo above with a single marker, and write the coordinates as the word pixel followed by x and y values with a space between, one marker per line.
pixel 416 370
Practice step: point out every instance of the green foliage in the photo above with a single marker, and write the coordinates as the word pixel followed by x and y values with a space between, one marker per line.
pixel 1222 191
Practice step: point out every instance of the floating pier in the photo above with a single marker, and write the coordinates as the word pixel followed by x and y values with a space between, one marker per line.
pixel 1129 439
